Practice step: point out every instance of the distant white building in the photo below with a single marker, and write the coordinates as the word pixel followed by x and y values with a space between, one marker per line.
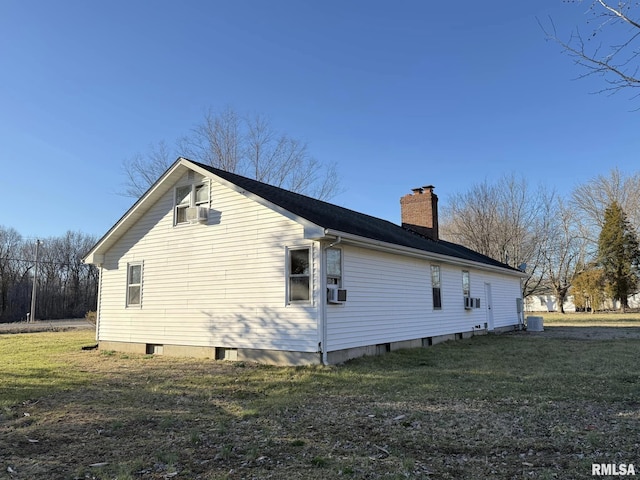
pixel 549 303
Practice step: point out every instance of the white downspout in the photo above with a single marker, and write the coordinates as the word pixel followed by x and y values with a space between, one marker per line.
pixel 323 300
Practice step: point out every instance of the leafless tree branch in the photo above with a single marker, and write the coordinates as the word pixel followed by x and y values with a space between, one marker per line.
pixel 617 61
pixel 248 145
pixel 505 220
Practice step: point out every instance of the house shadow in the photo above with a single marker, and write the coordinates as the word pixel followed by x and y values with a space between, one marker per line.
pixel 265 335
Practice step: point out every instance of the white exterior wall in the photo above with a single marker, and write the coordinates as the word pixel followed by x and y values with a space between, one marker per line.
pixel 389 299
pixel 220 284
pixel 505 292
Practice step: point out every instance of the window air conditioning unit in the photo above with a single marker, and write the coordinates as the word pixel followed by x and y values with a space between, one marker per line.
pixel 197 214
pixel 336 295
pixel 470 303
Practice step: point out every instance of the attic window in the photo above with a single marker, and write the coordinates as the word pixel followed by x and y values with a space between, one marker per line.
pixel 187 196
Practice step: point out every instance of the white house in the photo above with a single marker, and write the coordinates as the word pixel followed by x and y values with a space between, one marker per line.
pixel 212 264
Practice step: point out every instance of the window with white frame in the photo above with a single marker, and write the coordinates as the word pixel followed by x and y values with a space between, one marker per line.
pixel 201 194
pixel 436 287
pixel 299 275
pixel 334 267
pixel 134 284
pixel 183 201
pixel 186 196
pixel 466 284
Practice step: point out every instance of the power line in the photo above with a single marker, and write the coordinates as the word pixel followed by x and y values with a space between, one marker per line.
pixel 47 262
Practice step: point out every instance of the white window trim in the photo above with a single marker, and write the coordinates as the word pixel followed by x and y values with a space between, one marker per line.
pixel 468 275
pixel 192 199
pixel 288 251
pixel 433 287
pixel 129 284
pixel 340 278
pixel 207 186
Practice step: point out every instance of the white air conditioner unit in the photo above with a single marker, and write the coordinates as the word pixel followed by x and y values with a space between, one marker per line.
pixel 336 295
pixel 470 303
pixel 197 214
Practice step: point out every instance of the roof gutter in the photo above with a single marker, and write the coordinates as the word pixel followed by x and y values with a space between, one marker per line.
pixel 386 247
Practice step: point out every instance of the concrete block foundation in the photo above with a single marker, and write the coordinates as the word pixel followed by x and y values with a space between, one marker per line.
pixel 279 357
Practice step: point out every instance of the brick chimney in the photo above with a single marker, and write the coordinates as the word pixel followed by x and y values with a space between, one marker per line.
pixel 420 211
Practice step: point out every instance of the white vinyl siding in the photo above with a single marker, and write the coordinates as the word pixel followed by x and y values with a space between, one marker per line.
pixel 504 293
pixel 390 299
pixel 215 284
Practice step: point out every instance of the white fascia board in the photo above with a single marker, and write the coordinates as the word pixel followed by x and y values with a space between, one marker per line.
pixel 378 245
pixel 95 256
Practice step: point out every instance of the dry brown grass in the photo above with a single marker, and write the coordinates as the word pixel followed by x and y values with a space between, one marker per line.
pixel 502 407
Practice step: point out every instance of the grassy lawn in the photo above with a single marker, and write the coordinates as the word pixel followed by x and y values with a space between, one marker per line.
pixel 514 406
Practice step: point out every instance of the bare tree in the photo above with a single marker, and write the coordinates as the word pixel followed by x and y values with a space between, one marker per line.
pixel 66 287
pixel 564 251
pixel 612 47
pixel 505 220
pixel 143 170
pixel 247 145
pixel 10 244
pixel 590 201
pixel 73 275
pixel 216 141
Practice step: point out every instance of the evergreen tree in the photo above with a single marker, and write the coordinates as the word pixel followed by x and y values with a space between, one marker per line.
pixel 619 253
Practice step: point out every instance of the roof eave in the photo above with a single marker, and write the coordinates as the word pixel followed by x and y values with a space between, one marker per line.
pixel 349 238
pixel 311 230
pixel 95 256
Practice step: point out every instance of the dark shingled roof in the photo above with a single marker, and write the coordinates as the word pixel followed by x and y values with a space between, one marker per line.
pixel 342 219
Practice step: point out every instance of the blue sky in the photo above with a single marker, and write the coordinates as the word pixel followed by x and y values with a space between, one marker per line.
pixel 400 94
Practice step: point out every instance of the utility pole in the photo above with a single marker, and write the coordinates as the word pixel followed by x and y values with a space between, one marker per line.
pixel 32 314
